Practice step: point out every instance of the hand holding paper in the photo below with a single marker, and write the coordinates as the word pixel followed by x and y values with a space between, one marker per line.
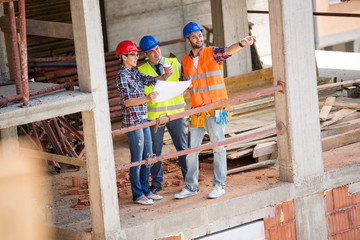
pixel 168 90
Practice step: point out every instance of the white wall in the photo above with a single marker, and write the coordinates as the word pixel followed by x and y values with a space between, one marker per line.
pixel 164 19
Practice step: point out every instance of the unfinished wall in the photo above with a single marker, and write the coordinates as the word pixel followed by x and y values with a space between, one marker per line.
pixel 164 19
pixel 4 70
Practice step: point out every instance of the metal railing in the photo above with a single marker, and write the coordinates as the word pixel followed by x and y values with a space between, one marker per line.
pixel 162 120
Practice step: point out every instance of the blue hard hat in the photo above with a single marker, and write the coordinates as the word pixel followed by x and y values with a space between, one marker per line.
pixel 147 43
pixel 190 28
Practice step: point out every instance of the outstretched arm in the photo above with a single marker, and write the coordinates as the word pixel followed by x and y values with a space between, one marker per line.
pixel 249 40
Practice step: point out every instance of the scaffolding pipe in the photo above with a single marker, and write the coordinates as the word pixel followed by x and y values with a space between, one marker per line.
pixel 279 87
pixel 327 14
pixel 279 127
pixel 23 51
pixel 4 101
pixel 15 48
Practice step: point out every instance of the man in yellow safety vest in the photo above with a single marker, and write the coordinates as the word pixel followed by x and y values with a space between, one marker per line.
pixel 155 67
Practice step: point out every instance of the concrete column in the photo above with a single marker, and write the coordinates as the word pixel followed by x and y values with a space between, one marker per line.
pixel 230 25
pixel 4 70
pixel 97 128
pixel 293 58
pixel 310 218
pixel 9 144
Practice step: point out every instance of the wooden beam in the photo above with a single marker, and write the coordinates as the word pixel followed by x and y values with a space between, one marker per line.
pixel 330 85
pixel 42 28
pixel 340 140
pixel 251 166
pixel 338 116
pixel 264 149
pixel 326 109
pixel 53 157
pixel 340 105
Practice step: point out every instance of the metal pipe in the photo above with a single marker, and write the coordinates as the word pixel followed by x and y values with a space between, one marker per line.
pixel 202 147
pixel 328 14
pixel 165 119
pixel 23 51
pixel 15 48
pixel 4 101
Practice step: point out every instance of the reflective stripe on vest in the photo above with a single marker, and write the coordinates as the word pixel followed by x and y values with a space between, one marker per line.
pixel 168 108
pixel 207 79
pixel 171 106
pixel 207 88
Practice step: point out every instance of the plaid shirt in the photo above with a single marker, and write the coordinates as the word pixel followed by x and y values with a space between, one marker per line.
pixel 219 55
pixel 130 84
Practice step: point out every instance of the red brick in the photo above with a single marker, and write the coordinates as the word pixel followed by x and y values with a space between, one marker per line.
pixel 76 182
pixel 174 237
pixel 120 182
pixel 83 201
pixel 273 221
pixel 283 214
pixel 338 221
pixel 73 191
pixel 202 177
pixel 177 182
pixel 170 168
pixel 341 197
pixel 206 165
pixel 79 207
pixel 287 214
pixel 121 192
pixel 356 216
pixel 179 176
pixel 353 234
pixel 123 175
pixel 329 200
pixel 284 232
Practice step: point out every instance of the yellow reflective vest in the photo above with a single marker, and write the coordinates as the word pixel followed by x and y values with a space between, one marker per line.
pixel 171 106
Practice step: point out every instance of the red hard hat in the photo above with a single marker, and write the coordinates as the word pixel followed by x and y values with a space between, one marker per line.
pixel 125 47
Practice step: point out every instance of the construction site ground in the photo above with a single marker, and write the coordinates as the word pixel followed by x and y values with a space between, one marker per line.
pixel 62 214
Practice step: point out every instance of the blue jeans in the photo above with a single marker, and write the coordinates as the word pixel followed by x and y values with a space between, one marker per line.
pixel 176 130
pixel 140 149
pixel 216 133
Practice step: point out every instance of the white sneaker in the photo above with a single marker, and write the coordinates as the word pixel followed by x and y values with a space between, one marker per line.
pixel 154 196
pixel 217 191
pixel 185 193
pixel 145 201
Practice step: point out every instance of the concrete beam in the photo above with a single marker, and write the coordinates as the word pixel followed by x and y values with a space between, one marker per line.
pixel 310 217
pixel 97 128
pixel 293 57
pixel 230 25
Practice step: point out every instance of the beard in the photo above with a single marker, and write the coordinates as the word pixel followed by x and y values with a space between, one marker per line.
pixel 196 46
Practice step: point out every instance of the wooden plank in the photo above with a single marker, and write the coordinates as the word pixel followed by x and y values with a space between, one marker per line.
pixel 340 140
pixel 341 105
pixel 42 28
pixel 264 149
pixel 341 128
pixel 239 154
pixel 251 166
pixel 326 109
pixel 52 157
pixel 337 117
pixel 338 84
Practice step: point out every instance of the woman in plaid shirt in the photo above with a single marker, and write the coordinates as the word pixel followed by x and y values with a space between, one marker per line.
pixel 130 84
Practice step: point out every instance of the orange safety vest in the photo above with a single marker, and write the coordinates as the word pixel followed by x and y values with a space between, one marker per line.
pixel 207 80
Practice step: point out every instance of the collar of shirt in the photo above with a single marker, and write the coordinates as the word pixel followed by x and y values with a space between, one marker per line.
pixel 162 61
pixel 192 55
